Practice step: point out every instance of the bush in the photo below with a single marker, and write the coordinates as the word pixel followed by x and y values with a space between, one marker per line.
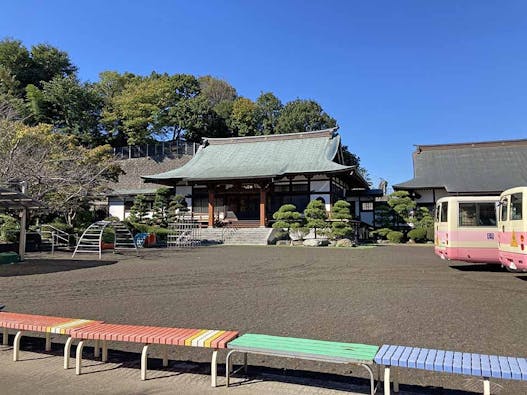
pixel 395 237
pixel 9 228
pixel 418 235
pixel 382 232
pixel 430 233
pixel 62 226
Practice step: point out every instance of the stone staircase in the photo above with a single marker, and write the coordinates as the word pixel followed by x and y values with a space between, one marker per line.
pixel 237 236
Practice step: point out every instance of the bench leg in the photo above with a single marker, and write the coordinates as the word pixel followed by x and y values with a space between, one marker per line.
pixel 214 369
pixel 67 352
pixel 16 346
pixel 78 357
pixel 228 366
pixel 48 341
pixel 486 386
pixel 4 337
pixel 372 378
pixel 386 380
pixel 144 361
pixel 104 351
pixel 395 380
pixel 165 356
pixel 96 349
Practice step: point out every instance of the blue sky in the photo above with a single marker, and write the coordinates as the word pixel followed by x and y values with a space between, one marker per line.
pixel 393 73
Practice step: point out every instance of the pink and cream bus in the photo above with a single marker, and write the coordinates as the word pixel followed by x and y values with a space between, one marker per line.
pixel 512 229
pixel 466 229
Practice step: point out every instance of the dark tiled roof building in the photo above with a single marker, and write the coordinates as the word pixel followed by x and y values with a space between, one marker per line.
pixel 484 168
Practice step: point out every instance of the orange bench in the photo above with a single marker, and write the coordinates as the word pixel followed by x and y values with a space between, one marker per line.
pixel 41 323
pixel 214 339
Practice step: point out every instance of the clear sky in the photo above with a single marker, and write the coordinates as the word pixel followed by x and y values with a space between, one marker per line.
pixel 393 73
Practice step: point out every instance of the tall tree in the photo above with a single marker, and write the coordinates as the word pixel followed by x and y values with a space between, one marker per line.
pixel 316 215
pixel 303 116
pixel 268 109
pixel 70 106
pixel 243 117
pixel 216 90
pixel 59 172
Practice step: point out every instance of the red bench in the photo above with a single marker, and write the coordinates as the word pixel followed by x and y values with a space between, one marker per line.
pixel 214 339
pixel 41 323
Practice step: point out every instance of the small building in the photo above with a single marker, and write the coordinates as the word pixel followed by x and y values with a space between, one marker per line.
pixel 483 168
pixel 246 179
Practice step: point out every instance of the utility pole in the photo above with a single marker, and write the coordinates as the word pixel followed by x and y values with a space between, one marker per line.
pixel 23 220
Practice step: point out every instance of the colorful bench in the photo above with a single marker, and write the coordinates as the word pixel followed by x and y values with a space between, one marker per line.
pixel 315 350
pixel 481 365
pixel 147 335
pixel 40 323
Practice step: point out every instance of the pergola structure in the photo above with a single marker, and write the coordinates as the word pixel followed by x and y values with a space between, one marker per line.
pixel 14 200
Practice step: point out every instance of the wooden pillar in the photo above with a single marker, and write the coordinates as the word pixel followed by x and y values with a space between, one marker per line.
pixel 211 206
pixel 263 208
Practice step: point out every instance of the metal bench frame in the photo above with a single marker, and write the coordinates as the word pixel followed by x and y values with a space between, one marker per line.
pixel 286 354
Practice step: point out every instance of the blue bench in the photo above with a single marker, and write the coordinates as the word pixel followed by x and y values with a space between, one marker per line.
pixel 480 365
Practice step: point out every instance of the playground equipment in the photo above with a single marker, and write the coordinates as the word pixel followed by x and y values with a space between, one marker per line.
pixel 466 229
pixel 91 240
pixel 185 233
pixel 512 229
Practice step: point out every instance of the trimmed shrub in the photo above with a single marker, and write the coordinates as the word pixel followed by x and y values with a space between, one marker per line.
pixel 382 232
pixel 395 237
pixel 418 235
pixel 430 233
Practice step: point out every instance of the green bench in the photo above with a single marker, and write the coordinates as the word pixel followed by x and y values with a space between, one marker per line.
pixel 315 350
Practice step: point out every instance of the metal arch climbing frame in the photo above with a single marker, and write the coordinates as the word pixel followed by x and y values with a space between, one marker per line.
pixel 91 239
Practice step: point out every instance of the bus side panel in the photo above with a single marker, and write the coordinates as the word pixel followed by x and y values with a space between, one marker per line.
pixel 474 245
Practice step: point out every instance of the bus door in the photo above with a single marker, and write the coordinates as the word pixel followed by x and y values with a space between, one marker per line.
pixel 441 222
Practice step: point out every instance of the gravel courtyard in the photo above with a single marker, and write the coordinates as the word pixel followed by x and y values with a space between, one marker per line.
pixel 386 294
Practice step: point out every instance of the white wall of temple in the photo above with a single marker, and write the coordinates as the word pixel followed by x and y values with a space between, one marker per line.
pixel 427 195
pixel 116 208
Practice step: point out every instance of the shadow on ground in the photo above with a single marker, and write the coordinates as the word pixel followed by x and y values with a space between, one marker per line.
pixel 256 373
pixel 479 267
pixel 43 266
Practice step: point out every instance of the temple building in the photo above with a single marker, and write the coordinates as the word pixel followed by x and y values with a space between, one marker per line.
pixel 244 180
pixel 483 168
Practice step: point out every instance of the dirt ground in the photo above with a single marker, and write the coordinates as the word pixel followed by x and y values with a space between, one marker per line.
pixel 386 294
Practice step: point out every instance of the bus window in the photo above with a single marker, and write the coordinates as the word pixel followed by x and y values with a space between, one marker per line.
pixel 467 214
pixel 487 214
pixel 516 206
pixel 438 210
pixel 444 212
pixel 504 209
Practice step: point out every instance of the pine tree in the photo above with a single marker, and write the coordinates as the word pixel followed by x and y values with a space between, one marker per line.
pixel 341 215
pixel 139 210
pixel 176 208
pixel 159 216
pixel 316 215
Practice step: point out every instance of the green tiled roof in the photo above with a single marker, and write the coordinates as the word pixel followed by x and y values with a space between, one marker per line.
pixel 260 157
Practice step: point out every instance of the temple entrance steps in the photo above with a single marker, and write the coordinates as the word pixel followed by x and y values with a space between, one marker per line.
pixel 239 236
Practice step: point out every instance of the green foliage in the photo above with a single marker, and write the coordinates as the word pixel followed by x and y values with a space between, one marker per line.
pixel 402 204
pixel 160 207
pixel 268 109
pixel 176 208
pixel 68 105
pixel 340 227
pixel 216 90
pixel 383 216
pixel 395 237
pixel 303 116
pixel 243 117
pixel 139 210
pixel 383 232
pixel 430 233
pixel 287 217
pixel 418 235
pixel 9 228
pixel 316 215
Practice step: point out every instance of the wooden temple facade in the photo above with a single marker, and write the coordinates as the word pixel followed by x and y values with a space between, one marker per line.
pixel 244 180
